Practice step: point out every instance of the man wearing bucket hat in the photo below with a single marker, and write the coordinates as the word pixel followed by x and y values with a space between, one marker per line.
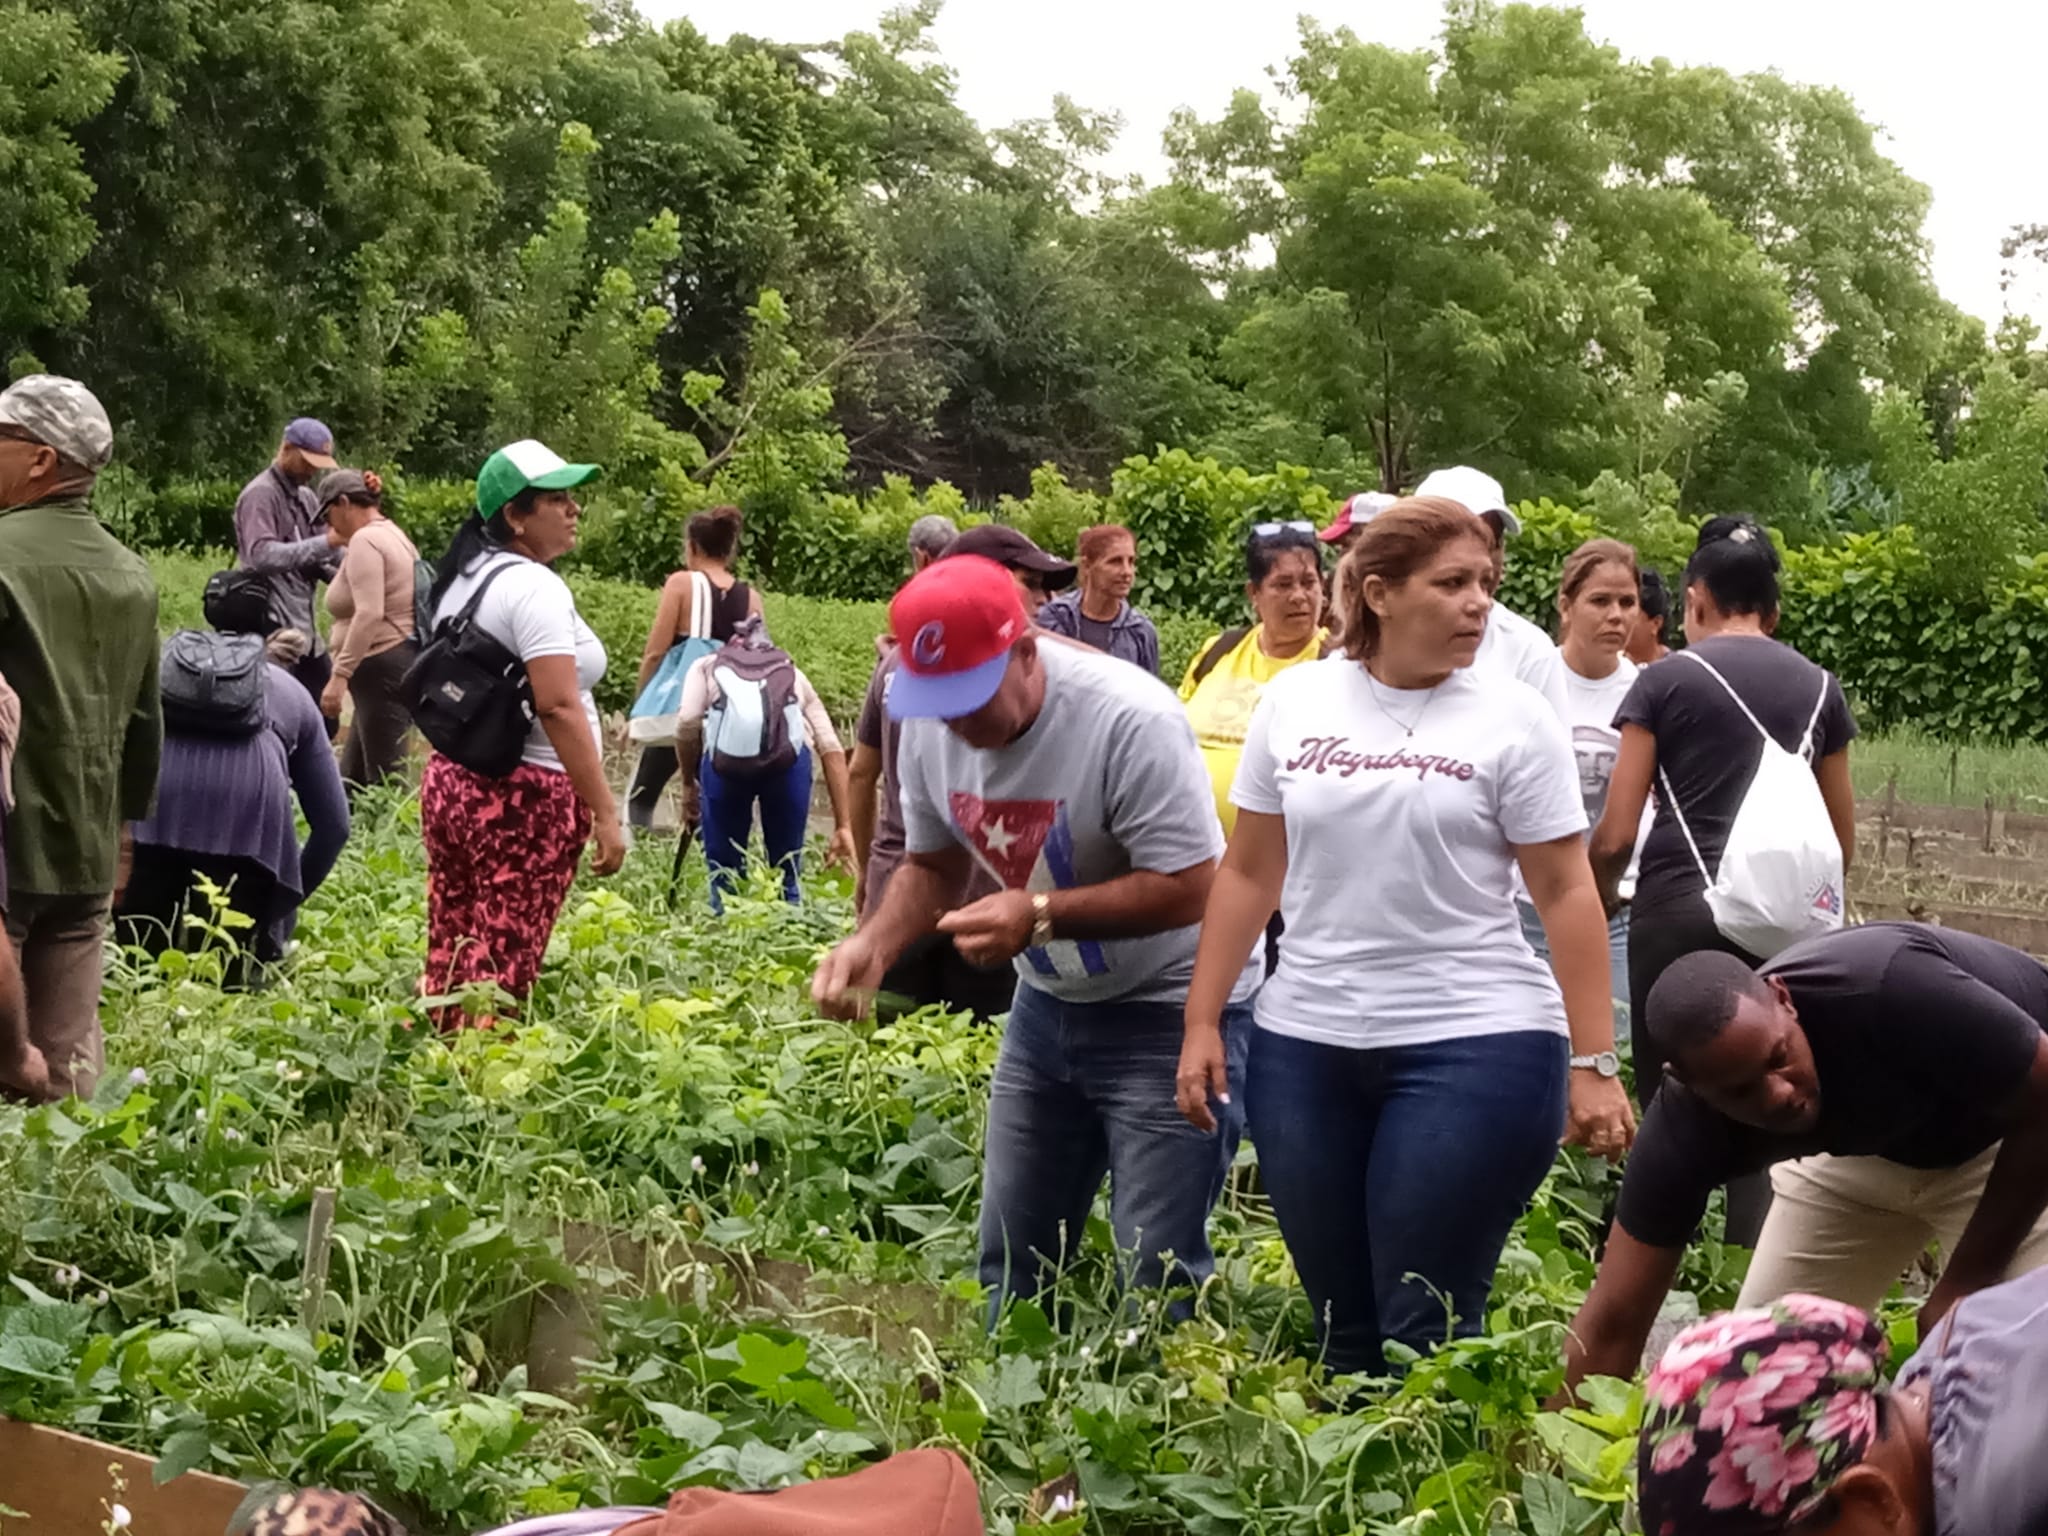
pixel 503 842
pixel 1074 781
pixel 1512 644
pixel 279 531
pixel 78 642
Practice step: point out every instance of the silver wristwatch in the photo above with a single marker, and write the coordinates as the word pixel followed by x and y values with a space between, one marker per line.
pixel 1606 1063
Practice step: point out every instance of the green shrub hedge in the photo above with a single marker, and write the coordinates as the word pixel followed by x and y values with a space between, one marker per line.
pixel 1867 607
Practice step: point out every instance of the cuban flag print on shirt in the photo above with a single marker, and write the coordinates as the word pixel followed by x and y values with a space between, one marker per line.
pixel 1026 844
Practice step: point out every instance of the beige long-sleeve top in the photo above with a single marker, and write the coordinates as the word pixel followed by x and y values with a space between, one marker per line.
pixel 371 595
pixel 700 692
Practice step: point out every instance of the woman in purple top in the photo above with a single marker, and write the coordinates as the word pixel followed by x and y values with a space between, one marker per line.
pixel 224 811
pixel 1097 611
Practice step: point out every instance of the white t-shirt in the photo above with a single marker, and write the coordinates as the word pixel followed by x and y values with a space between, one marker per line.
pixel 530 612
pixel 1596 742
pixel 1513 647
pixel 1401 923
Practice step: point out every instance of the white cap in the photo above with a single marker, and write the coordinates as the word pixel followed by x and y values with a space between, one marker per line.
pixel 1473 489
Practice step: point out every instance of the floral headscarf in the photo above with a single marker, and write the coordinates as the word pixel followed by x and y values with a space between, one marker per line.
pixel 1751 1416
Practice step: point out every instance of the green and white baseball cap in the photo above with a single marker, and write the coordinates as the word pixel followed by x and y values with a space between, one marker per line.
pixel 524 465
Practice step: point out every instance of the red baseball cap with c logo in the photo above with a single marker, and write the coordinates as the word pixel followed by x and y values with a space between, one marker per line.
pixel 954 623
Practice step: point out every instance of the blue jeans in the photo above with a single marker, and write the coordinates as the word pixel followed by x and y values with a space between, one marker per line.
pixel 1617 961
pixel 1083 1089
pixel 726 813
pixel 1408 1161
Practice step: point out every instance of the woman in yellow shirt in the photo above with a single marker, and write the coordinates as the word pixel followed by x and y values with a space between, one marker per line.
pixel 1284 581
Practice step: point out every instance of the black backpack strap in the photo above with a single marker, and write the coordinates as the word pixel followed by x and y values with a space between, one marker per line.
pixel 1219 648
pixel 467 614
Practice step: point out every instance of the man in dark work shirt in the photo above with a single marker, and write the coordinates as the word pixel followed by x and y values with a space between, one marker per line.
pixel 1894 1077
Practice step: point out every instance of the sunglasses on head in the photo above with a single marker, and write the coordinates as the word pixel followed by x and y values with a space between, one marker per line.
pixel 1274 530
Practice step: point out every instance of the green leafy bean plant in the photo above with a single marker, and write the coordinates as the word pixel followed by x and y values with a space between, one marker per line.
pixel 674 1228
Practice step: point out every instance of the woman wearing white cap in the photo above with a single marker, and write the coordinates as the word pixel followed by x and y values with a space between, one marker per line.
pixel 501 851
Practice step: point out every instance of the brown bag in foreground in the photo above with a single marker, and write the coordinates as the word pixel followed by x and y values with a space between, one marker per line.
pixel 918 1493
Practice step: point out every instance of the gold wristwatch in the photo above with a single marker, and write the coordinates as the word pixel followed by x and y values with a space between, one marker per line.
pixel 1041 919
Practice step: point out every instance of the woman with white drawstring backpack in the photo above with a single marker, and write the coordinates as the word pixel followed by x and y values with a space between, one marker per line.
pixel 1746 744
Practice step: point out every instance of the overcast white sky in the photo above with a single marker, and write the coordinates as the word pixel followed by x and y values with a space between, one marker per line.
pixel 1956 85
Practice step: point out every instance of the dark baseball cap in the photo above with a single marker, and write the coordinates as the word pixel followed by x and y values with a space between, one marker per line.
pixel 345 482
pixel 1011 549
pixel 313 440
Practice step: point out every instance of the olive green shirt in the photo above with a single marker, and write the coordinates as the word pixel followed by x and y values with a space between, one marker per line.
pixel 78 642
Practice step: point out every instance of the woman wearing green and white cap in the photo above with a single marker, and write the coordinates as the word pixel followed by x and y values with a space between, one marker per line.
pixel 501 852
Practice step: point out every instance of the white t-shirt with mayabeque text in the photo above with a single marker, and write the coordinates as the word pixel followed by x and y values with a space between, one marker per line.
pixel 1399 901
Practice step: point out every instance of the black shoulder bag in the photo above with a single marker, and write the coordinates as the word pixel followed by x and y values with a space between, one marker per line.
pixel 469 693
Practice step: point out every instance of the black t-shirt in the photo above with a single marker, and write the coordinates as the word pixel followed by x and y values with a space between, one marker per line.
pixel 1708 749
pixel 1921 1040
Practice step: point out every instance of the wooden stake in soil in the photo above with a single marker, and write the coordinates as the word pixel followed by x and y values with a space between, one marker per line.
pixel 319 1232
pixel 1989 808
pixel 1884 820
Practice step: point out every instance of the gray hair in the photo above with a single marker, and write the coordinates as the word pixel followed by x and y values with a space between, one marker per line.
pixel 932 534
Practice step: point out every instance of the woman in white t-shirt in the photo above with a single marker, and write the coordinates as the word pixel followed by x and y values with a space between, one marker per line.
pixel 501 852
pixel 1412 1069
pixel 1598 594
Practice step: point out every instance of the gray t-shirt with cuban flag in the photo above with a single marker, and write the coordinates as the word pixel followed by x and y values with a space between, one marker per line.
pixel 1108 779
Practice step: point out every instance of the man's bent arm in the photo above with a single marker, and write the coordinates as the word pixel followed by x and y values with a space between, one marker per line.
pixel 919 894
pixel 1607 1336
pixel 2015 1194
pixel 1132 906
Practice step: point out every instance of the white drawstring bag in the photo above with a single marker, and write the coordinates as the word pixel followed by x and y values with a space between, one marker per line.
pixel 1780 879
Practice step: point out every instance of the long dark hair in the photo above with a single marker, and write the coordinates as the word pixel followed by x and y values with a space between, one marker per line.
pixel 477 539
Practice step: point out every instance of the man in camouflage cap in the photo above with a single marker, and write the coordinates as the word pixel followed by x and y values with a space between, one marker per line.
pixel 78 642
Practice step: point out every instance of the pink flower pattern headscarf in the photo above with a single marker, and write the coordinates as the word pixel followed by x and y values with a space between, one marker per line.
pixel 1751 1416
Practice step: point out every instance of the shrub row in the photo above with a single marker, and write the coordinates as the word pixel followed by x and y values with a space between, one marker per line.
pixel 1867 607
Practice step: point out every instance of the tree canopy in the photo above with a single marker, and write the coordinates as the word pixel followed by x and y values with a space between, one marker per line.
pixel 438 223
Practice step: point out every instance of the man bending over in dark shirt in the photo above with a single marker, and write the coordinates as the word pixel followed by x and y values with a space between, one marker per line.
pixel 1893 1077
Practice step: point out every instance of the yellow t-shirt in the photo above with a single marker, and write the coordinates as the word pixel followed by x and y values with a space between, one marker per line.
pixel 1220 706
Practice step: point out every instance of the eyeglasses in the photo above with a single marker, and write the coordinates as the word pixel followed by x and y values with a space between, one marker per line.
pixel 1273 530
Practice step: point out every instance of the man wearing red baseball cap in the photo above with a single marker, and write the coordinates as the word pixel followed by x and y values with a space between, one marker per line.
pixel 1074 779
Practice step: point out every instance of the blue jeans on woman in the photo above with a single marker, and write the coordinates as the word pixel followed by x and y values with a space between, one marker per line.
pixel 1397 1173
pixel 1083 1089
pixel 726 818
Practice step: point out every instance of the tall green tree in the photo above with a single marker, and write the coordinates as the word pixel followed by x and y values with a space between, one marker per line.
pixel 51 79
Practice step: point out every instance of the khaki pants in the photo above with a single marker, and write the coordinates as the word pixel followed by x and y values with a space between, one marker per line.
pixel 60 939
pixel 1847 1227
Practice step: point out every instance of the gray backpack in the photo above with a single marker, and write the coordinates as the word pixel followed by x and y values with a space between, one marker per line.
pixel 212 684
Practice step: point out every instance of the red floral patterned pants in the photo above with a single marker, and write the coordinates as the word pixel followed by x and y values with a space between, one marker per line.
pixel 500 856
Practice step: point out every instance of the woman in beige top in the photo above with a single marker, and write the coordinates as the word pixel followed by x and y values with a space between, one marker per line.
pixel 371 599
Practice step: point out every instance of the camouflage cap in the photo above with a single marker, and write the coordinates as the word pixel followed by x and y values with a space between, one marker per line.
pixel 61 414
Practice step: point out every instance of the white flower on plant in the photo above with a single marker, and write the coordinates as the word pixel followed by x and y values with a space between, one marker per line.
pixel 1087 1353
pixel 753 1170
pixel 100 1298
pixel 139 1077
pixel 823 1230
pixel 1130 1338
pixel 287 1073
pixel 231 1134
pixel 67 1275
pixel 696 1165
pixel 199 1116
pixel 1062 1504
pixel 118 1516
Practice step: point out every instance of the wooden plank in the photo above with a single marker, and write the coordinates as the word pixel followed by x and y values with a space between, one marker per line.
pixel 61 1484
